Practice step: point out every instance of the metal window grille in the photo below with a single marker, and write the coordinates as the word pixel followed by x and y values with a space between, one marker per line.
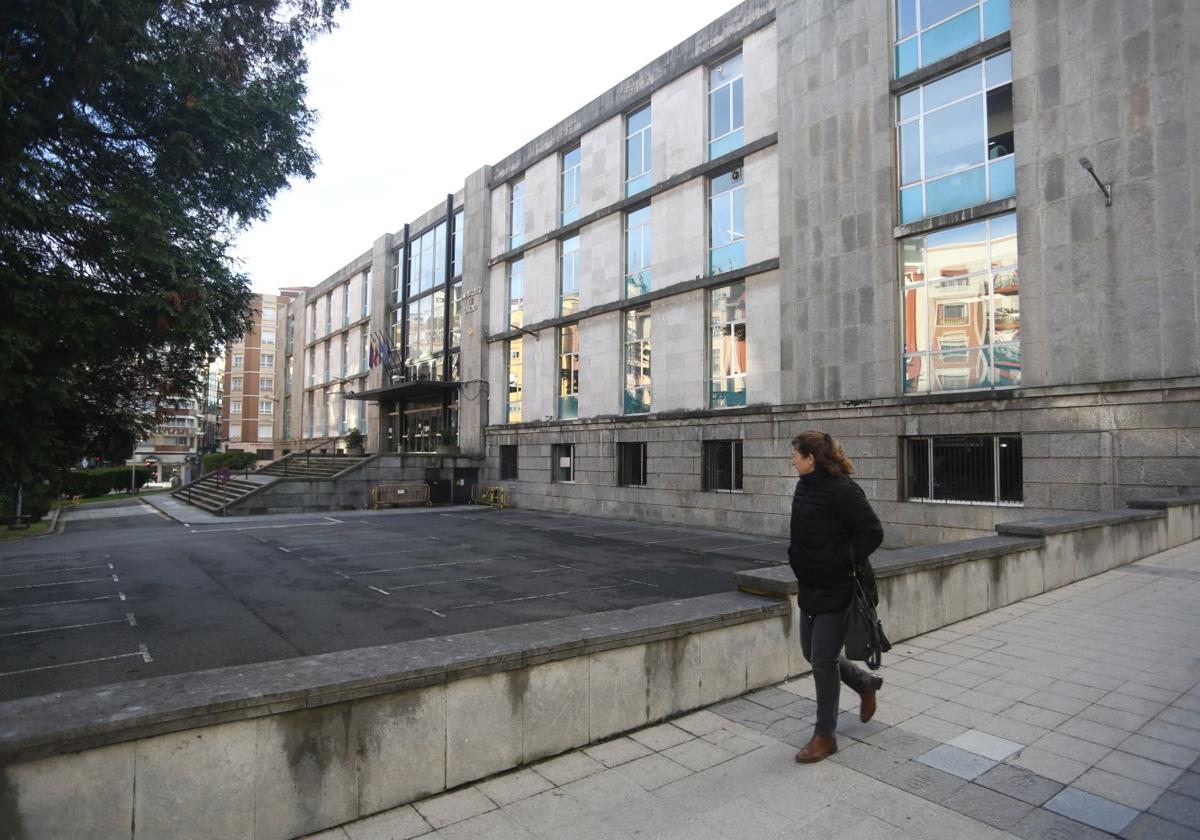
pixel 723 465
pixel 971 469
pixel 631 464
pixel 508 462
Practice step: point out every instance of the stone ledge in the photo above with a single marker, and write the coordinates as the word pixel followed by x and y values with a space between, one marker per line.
pixel 1076 522
pixel 779 581
pixel 66 722
pixel 1164 502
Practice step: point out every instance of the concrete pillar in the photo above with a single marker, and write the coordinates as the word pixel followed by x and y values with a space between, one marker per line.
pixel 473 399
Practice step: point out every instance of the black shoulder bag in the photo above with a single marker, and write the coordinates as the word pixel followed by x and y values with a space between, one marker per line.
pixel 865 640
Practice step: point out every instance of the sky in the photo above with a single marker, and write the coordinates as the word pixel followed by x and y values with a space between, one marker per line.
pixel 413 97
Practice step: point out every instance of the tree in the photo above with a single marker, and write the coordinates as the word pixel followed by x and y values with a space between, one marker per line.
pixel 136 139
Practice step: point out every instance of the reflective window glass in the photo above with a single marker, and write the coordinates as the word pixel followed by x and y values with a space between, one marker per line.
pixel 955 142
pixel 960 305
pixel 638 256
pixel 930 30
pixel 727 222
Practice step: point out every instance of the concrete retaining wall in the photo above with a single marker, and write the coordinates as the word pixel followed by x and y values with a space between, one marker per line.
pixel 296 746
pixel 350 490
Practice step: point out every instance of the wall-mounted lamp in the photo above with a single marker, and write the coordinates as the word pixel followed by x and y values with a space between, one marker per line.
pixel 1104 188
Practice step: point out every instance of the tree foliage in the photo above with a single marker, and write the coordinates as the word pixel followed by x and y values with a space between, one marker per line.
pixel 136 139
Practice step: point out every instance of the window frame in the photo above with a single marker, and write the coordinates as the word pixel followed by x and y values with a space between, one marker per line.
pixel 735 247
pixel 636 182
pixel 559 451
pixel 912 43
pixel 920 468
pixel 515 386
pixel 710 465
pixel 631 471
pixel 567 404
pixel 516 211
pixel 510 463
pixel 570 185
pixel 734 138
pixel 644 232
pixel 569 300
pixel 729 327
pixel 998 173
pixel 635 346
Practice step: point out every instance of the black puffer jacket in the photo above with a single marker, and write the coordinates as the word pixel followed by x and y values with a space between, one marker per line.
pixel 834 530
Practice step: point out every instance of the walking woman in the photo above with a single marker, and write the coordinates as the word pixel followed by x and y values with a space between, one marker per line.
pixel 834 531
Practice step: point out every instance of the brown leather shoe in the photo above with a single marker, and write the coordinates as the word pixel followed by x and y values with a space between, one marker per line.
pixel 821 746
pixel 866 708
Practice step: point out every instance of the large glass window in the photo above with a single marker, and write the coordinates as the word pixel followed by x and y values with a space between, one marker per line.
pixel 456 310
pixel 638 252
pixel 955 140
pixel 459 232
pixel 328 361
pixel 727 346
pixel 637 151
pixel 365 294
pixel 312 365
pixel 961 308
pixel 568 372
pixel 637 361
pixel 930 30
pixel 328 313
pixel 345 365
pixel 516 214
pixel 963 468
pixel 426 336
pixel 268 337
pixel 345 304
pixel 725 106
pixel 568 299
pixel 515 380
pixel 516 293
pixel 398 276
pixel 723 466
pixel 427 260
pixel 726 222
pixel 570 185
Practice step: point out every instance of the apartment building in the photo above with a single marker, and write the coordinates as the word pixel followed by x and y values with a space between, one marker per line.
pixel 173 445
pixel 253 374
pixel 958 234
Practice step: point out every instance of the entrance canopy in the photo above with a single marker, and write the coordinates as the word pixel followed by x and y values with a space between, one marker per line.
pixel 406 390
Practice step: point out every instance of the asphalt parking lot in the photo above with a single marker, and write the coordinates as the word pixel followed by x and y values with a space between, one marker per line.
pixel 125 593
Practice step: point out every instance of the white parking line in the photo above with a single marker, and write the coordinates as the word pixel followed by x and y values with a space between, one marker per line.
pixel 380 591
pixel 423 566
pixel 142 651
pixel 54 583
pixel 128 619
pixel 260 527
pixel 468 580
pixel 56 571
pixel 57 557
pixel 531 597
pixel 675 539
pixel 120 595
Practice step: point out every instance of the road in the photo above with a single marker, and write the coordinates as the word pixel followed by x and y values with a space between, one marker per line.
pixel 125 593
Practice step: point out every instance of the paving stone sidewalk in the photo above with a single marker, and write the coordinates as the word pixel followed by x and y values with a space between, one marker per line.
pixel 1074 714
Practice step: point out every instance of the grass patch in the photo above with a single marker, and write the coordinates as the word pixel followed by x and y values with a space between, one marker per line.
pixel 112 497
pixel 34 530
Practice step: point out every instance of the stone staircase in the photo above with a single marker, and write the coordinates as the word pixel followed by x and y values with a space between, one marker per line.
pixel 213 495
pixel 305 465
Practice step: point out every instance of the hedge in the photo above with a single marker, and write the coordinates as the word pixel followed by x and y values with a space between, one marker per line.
pixel 102 480
pixel 234 460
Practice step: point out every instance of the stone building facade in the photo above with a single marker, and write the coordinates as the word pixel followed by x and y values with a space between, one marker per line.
pixel 862 217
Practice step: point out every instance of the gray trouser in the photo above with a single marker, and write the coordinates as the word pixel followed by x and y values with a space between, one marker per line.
pixel 821 641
